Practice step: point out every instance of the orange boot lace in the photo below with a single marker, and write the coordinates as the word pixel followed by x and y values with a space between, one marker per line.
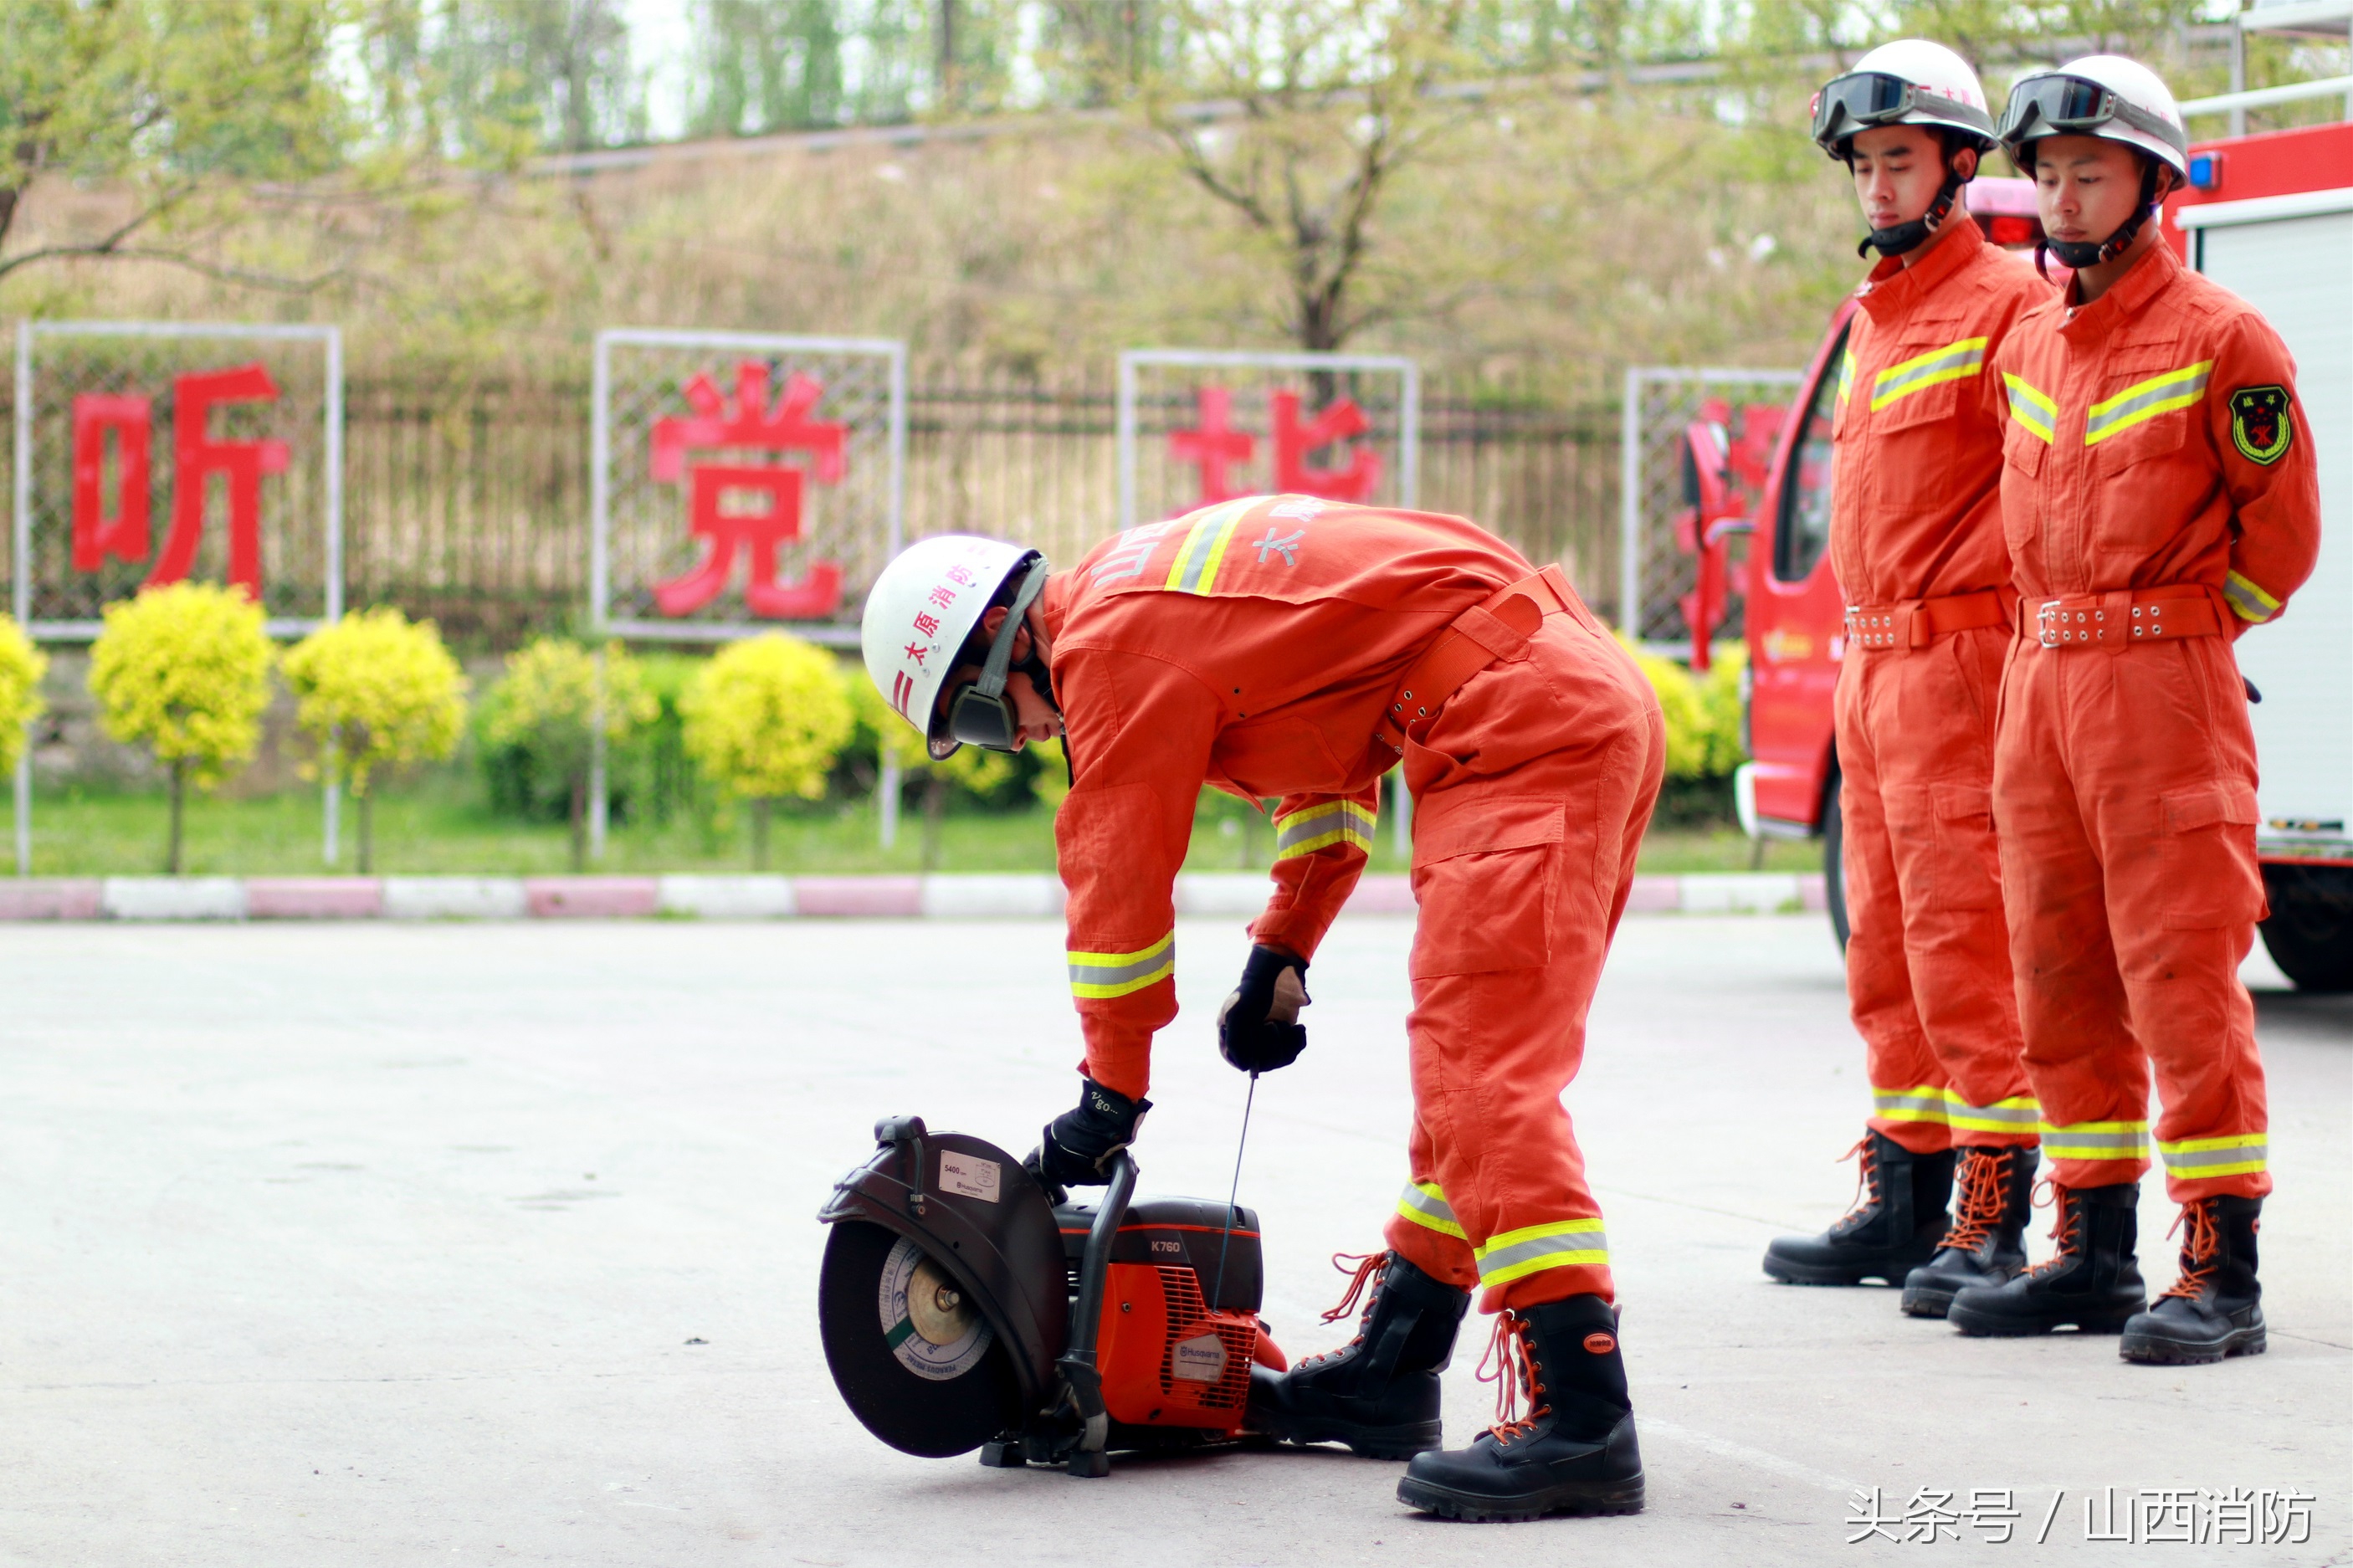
pixel 2201 1253
pixel 1983 1175
pixel 2068 1236
pixel 1514 1369
pixel 1866 1176
pixel 1367 1269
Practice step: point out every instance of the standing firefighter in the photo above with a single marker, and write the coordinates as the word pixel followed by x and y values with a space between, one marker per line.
pixel 1291 647
pixel 1917 542
pixel 2160 495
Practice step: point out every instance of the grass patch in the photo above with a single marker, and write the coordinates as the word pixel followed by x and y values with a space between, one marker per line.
pixel 442 827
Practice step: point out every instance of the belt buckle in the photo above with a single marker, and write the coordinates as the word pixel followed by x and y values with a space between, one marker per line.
pixel 2044 634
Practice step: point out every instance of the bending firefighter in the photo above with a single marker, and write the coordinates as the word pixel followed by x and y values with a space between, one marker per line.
pixel 1281 647
pixel 1916 544
pixel 2159 496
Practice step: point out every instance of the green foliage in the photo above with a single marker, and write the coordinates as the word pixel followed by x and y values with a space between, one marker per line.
pixel 184 671
pixel 21 668
pixel 537 727
pixel 766 717
pixel 376 689
pixel 1702 716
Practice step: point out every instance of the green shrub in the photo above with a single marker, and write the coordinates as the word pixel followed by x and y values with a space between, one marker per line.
pixel 764 719
pixel 374 691
pixel 538 725
pixel 21 668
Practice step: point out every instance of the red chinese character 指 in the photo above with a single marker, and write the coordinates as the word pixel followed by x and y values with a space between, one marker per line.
pixel 197 458
pixel 1212 446
pixel 774 518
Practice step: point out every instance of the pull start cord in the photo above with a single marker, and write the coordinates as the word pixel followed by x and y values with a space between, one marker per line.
pixel 1225 1237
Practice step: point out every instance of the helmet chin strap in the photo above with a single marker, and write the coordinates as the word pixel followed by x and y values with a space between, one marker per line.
pixel 1905 238
pixel 2079 253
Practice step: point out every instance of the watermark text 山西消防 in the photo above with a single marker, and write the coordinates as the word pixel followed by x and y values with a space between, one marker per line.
pixel 2149 1516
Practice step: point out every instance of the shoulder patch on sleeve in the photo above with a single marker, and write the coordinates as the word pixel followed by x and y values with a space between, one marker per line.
pixel 2260 425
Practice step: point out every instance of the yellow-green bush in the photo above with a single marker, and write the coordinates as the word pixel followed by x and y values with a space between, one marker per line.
pixel 764 719
pixel 546 708
pixel 184 671
pixel 1702 714
pixel 375 690
pixel 21 668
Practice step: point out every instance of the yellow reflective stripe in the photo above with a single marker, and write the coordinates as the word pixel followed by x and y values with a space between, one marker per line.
pixel 1195 570
pixel 1922 1102
pixel 1100 974
pixel 2237 1154
pixel 2020 1113
pixel 1534 1248
pixel 1422 1203
pixel 2145 400
pixel 1320 827
pixel 2097 1141
pixel 1954 362
pixel 1846 375
pixel 2033 409
pixel 2248 601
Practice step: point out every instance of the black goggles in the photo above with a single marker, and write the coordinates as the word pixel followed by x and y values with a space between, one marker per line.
pixel 2064 105
pixel 980 714
pixel 1861 100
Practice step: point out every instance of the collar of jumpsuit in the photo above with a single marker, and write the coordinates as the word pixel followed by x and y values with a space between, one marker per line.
pixel 1893 288
pixel 2085 324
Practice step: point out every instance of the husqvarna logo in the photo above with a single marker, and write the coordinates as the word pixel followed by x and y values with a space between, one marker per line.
pixel 1201 1359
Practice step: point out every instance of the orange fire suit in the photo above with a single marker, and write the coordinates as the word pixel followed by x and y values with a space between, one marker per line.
pixel 1256 646
pixel 1915 540
pixel 2160 495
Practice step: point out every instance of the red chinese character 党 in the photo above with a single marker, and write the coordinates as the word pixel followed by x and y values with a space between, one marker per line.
pixel 775 517
pixel 1338 422
pixel 196 457
pixel 1212 445
pixel 929 625
pixel 95 535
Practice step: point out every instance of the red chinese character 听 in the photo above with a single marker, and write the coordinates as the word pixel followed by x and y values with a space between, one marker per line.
pixel 96 534
pixel 196 457
pixel 775 517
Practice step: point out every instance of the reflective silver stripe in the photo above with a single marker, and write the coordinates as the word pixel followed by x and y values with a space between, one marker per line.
pixel 2147 400
pixel 2252 1150
pixel 1422 1203
pixel 2030 408
pixel 1305 832
pixel 2109 1142
pixel 2018 1115
pixel 1923 1104
pixel 1566 1244
pixel 1951 362
pixel 1101 974
pixel 2248 600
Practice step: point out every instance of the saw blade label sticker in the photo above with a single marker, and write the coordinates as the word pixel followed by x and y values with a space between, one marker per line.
pixel 969 1175
pixel 1201 1359
pixel 931 1328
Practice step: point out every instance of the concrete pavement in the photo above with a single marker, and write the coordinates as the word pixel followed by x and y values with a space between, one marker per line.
pixel 386 1244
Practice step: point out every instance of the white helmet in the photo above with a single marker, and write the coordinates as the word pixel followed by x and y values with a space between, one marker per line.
pixel 921 610
pixel 2106 96
pixel 1909 82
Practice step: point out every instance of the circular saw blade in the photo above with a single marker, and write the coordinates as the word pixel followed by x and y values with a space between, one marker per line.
pixel 918 1365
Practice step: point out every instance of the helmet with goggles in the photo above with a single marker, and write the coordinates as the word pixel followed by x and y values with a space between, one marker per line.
pixel 1909 82
pixel 921 612
pixel 2111 98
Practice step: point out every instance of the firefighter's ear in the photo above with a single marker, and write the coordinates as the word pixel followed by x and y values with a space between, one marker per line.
pixel 1965 164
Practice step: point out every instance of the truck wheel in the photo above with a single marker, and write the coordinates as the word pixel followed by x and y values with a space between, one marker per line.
pixel 1834 862
pixel 2310 933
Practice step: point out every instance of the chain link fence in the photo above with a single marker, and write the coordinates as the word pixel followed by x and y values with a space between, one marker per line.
pixel 1655 571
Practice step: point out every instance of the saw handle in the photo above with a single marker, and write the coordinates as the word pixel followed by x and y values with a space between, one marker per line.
pixel 1079 1373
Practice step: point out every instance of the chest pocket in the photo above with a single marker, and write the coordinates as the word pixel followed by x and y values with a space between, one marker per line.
pixel 2154 391
pixel 1910 406
pixel 2022 449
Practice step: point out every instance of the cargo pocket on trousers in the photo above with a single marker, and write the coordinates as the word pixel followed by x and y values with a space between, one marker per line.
pixel 2211 877
pixel 1968 867
pixel 1485 879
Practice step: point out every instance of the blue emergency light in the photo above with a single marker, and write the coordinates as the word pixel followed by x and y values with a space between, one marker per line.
pixel 2205 171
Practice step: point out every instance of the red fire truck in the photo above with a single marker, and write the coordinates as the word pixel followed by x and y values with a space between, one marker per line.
pixel 2271 217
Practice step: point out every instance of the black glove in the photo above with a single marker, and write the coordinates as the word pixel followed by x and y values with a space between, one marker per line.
pixel 1249 1036
pixel 1079 1143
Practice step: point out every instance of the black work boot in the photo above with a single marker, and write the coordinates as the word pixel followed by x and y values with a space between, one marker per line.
pixel 2215 1309
pixel 1987 1244
pixel 1574 1452
pixel 1893 1228
pixel 2094 1283
pixel 1379 1393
